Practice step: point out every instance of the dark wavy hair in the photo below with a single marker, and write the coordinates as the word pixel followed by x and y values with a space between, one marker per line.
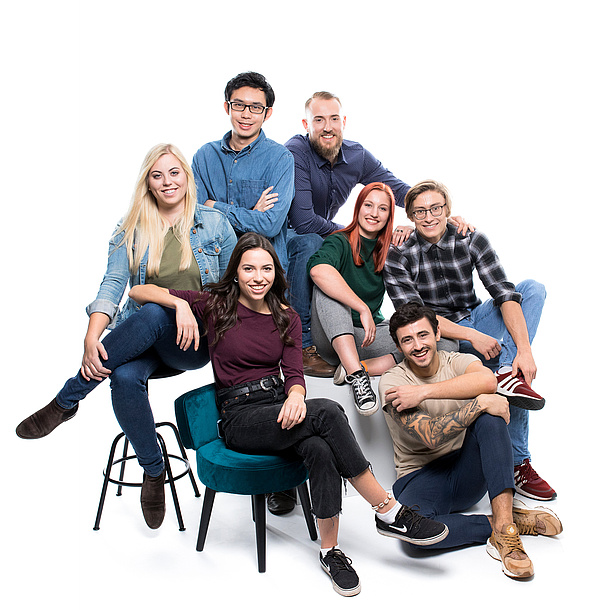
pixel 410 312
pixel 221 307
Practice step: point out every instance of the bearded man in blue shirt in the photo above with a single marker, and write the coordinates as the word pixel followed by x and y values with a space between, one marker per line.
pixel 247 176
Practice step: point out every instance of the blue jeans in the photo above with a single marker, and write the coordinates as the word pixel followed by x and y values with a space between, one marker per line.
pixel 457 481
pixel 136 348
pixel 324 440
pixel 487 319
pixel 300 248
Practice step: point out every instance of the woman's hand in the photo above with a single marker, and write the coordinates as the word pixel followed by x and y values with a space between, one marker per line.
pixel 368 324
pixel 266 201
pixel 92 366
pixel 188 329
pixel 462 225
pixel 293 410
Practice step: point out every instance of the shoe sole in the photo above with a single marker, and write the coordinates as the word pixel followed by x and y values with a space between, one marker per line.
pixel 523 402
pixel 415 541
pixel 367 412
pixel 533 497
pixel 337 588
pixel 493 552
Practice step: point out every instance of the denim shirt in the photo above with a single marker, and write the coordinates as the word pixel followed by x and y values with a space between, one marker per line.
pixel 212 240
pixel 236 180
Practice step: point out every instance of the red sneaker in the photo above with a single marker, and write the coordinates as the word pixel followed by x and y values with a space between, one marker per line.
pixel 529 484
pixel 518 392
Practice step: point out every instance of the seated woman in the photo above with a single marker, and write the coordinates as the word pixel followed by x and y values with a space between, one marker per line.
pixel 347 325
pixel 252 333
pixel 166 238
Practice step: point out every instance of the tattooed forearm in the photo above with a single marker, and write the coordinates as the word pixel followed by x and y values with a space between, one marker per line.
pixel 434 432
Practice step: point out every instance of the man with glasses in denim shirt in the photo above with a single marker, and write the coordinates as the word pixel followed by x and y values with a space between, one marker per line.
pixel 247 176
pixel 434 266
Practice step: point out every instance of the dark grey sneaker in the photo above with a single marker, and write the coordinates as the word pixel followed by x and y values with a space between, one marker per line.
pixel 412 527
pixel 339 568
pixel 364 398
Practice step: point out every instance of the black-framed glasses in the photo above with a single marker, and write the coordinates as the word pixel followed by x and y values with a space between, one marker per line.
pixel 435 210
pixel 253 108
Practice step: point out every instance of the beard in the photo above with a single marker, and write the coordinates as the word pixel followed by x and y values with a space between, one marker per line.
pixel 330 154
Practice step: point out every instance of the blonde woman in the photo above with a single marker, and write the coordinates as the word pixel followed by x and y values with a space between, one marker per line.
pixel 165 239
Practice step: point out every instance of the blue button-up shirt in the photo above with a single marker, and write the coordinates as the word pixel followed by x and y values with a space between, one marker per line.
pixel 321 188
pixel 236 180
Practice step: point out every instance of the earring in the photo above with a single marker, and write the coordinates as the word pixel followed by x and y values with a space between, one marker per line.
pixel 235 280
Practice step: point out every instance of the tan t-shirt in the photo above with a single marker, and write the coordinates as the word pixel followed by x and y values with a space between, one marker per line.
pixel 410 453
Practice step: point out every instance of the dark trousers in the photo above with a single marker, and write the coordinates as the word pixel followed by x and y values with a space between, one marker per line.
pixel 324 440
pixel 457 481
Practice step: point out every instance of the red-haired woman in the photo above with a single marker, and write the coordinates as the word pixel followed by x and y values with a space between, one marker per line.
pixel 347 325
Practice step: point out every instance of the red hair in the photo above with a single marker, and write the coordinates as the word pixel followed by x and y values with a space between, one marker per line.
pixel 384 237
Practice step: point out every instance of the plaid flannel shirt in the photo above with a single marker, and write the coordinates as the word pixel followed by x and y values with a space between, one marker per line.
pixel 441 275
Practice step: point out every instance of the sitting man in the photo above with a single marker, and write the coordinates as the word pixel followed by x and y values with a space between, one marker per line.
pixel 434 266
pixel 247 176
pixel 451 443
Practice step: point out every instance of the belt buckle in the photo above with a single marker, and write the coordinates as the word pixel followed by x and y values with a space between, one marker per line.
pixel 262 382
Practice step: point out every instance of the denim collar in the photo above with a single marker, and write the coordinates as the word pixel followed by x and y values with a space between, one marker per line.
pixel 226 140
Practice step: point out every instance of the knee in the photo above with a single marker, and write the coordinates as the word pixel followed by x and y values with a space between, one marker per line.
pixel 127 375
pixel 305 245
pixel 531 289
pixel 328 410
pixel 490 424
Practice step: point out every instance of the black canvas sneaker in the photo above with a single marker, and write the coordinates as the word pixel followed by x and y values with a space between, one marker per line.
pixel 412 527
pixel 339 568
pixel 364 397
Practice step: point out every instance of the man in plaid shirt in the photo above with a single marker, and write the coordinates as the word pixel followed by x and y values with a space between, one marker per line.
pixel 434 266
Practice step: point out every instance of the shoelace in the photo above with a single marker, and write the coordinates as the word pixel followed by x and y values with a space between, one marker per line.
pixel 363 388
pixel 511 542
pixel 339 560
pixel 527 473
pixel 407 512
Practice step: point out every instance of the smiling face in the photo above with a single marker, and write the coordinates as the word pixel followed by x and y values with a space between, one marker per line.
pixel 431 228
pixel 167 182
pixel 246 125
pixel 325 124
pixel 417 342
pixel 255 277
pixel 373 214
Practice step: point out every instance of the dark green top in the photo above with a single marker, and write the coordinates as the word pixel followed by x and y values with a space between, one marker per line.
pixel 363 280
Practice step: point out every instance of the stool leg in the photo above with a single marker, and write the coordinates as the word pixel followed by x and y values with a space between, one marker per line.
pixel 172 483
pixel 303 492
pixel 183 453
pixel 119 491
pixel 261 534
pixel 206 513
pixel 106 479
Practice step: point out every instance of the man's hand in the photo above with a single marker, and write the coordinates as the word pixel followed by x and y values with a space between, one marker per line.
pixel 484 344
pixel 403 397
pixel 524 362
pixel 266 201
pixel 461 225
pixel 494 404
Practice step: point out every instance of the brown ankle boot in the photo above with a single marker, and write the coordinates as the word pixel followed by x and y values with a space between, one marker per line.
pixel 152 499
pixel 43 422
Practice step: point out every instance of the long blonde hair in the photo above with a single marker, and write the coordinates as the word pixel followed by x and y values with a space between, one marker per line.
pixel 144 227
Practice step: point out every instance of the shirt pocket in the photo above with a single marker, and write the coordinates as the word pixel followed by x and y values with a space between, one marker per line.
pixel 250 191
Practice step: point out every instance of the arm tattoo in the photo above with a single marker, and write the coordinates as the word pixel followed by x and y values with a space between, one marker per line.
pixel 434 432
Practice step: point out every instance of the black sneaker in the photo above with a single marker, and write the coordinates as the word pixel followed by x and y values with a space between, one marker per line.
pixel 412 527
pixel 339 568
pixel 364 397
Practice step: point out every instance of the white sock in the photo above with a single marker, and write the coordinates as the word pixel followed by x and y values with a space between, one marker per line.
pixel 324 551
pixel 390 516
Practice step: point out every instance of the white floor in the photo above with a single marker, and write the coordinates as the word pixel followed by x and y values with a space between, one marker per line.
pixel 52 553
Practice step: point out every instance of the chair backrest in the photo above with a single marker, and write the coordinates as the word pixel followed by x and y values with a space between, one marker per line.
pixel 197 416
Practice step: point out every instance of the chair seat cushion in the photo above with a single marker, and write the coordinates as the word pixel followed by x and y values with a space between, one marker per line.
pixel 228 471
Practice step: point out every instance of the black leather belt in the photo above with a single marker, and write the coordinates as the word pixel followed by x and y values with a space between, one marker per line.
pixel 266 383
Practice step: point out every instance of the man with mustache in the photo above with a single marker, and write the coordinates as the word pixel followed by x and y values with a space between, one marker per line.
pixel 327 168
pixel 434 266
pixel 451 444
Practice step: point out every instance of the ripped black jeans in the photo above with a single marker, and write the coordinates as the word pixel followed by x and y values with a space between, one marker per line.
pixel 324 440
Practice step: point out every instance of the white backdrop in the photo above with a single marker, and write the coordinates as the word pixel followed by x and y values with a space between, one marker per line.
pixel 506 103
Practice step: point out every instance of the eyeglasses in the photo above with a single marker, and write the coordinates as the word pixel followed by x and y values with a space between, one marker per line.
pixel 253 108
pixel 435 210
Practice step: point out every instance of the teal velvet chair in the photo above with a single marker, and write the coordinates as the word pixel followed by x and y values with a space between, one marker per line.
pixel 221 469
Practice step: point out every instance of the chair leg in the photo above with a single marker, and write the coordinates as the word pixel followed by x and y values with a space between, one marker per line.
pixel 183 453
pixel 119 490
pixel 206 513
pixel 261 533
pixel 303 492
pixel 100 507
pixel 172 483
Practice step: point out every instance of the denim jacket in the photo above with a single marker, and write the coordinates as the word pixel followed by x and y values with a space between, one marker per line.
pixel 212 240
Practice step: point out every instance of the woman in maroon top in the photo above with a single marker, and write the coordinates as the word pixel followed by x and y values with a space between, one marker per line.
pixel 253 335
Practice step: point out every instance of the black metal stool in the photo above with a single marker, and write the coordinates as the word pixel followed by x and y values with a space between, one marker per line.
pixel 167 457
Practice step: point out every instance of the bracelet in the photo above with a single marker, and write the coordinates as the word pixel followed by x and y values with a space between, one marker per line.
pixel 379 506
